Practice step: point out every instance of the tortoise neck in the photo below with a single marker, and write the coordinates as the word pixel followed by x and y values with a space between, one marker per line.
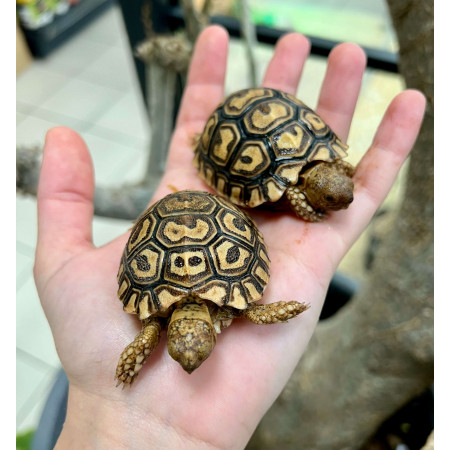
pixel 191 308
pixel 191 298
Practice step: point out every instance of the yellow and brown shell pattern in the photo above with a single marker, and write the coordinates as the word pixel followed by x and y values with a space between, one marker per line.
pixel 192 242
pixel 256 143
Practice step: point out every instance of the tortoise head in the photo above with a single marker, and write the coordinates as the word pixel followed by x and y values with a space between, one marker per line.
pixel 327 187
pixel 190 336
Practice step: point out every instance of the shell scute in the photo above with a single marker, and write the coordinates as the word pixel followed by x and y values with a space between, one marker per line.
pixel 224 142
pixel 183 203
pixel 236 225
pixel 238 102
pixel 145 265
pixel 231 257
pixel 266 116
pixel 251 160
pixel 314 123
pixel 185 229
pixel 187 266
pixel 291 141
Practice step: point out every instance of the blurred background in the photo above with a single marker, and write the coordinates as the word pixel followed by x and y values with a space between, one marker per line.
pixel 76 66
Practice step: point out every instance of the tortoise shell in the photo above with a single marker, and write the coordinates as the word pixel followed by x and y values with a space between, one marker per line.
pixel 256 143
pixel 192 243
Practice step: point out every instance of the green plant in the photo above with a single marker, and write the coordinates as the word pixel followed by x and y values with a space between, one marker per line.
pixel 23 440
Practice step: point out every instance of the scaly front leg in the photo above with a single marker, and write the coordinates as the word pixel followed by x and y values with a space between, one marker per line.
pixel 136 354
pixel 266 314
pixel 273 312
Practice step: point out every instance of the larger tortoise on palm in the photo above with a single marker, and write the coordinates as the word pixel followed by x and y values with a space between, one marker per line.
pixel 193 263
pixel 262 145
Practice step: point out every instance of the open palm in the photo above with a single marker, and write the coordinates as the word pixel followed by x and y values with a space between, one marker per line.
pixel 220 404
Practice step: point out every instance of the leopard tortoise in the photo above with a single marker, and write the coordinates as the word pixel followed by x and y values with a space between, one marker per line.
pixel 262 145
pixel 192 264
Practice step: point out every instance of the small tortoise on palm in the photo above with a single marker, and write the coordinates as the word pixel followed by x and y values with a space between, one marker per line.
pixel 262 145
pixel 193 263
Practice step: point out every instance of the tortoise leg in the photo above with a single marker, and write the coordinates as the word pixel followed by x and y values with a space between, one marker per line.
pixel 300 205
pixel 136 354
pixel 222 318
pixel 273 312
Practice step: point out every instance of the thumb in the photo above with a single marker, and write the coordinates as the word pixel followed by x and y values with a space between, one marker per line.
pixel 64 200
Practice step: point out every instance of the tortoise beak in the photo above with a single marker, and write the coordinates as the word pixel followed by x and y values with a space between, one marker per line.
pixel 189 360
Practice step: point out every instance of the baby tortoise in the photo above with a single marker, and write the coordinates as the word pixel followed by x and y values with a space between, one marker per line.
pixel 261 145
pixel 193 263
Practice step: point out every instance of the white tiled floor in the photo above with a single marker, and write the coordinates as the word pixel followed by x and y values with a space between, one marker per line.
pixel 90 85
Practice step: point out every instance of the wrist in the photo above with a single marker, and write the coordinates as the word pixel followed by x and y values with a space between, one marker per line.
pixel 95 422
pixel 88 424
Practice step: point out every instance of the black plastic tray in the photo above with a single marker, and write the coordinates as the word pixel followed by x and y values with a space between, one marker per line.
pixel 44 40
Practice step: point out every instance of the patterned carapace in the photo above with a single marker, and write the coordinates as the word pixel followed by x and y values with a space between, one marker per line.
pixel 192 242
pixel 256 143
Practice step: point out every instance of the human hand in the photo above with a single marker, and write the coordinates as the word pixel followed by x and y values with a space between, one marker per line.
pixel 221 403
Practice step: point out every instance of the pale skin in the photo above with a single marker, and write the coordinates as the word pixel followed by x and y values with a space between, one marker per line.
pixel 220 404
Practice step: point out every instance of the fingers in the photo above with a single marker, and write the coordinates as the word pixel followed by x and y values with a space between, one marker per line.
pixel 64 199
pixel 286 66
pixel 341 86
pixel 203 92
pixel 379 167
pixel 205 83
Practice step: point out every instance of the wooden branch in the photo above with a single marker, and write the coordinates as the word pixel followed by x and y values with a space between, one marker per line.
pixel 161 87
pixel 170 52
pixel 125 202
pixel 250 40
pixel 165 58
pixel 28 163
pixel 194 19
